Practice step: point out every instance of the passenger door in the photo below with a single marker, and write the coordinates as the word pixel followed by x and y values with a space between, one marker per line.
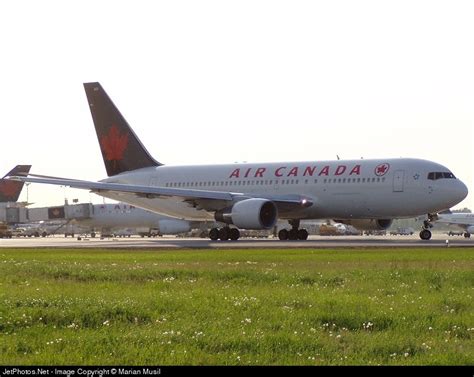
pixel 398 180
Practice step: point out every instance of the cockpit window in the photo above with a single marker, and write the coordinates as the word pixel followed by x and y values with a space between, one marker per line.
pixel 440 175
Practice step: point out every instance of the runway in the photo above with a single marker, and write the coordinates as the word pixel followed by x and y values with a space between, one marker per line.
pixel 314 242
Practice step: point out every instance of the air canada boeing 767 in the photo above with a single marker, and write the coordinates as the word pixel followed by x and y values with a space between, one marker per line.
pixel 367 194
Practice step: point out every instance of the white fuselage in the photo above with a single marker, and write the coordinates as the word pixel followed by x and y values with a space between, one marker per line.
pixel 352 189
pixel 121 215
pixel 462 220
pixel 457 218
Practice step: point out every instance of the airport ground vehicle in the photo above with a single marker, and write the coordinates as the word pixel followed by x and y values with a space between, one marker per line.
pixel 453 233
pixel 331 230
pixel 5 231
pixel 402 232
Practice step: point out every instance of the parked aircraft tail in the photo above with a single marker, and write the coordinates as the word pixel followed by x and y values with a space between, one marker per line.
pixel 121 149
pixel 10 190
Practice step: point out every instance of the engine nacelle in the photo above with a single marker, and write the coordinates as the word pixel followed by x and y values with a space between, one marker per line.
pixel 369 224
pixel 173 226
pixel 470 229
pixel 250 214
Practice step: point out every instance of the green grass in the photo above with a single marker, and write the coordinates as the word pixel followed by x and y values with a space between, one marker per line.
pixel 237 307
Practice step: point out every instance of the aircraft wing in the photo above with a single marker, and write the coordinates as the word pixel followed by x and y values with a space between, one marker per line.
pixel 201 199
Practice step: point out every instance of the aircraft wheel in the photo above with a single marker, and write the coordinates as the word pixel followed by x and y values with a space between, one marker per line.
pixel 467 235
pixel 283 235
pixel 425 234
pixel 293 234
pixel 224 234
pixel 234 234
pixel 302 234
pixel 214 234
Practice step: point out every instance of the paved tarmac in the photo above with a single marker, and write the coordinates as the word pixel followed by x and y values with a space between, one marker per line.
pixel 170 242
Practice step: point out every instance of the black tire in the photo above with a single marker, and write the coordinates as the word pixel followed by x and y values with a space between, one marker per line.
pixel 293 234
pixel 214 234
pixel 425 235
pixel 224 234
pixel 467 235
pixel 302 234
pixel 234 234
pixel 283 235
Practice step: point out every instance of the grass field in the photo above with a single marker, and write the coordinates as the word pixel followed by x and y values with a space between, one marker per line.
pixel 237 307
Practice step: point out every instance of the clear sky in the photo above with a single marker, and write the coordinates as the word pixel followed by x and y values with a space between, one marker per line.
pixel 224 81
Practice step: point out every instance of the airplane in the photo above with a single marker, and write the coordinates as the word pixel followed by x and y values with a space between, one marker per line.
pixel 367 194
pixel 463 220
pixel 10 190
pixel 109 218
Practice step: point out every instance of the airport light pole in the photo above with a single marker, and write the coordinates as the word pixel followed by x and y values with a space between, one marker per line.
pixel 27 192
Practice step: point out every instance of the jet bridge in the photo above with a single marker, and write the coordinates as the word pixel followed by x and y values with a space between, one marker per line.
pixel 65 212
pixel 12 213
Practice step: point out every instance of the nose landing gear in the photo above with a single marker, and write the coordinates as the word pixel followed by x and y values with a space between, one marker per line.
pixel 425 233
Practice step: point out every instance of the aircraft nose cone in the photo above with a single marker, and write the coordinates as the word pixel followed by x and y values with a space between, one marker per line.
pixel 462 191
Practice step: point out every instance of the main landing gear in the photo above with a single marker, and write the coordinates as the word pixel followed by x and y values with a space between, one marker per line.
pixel 224 234
pixel 294 233
pixel 425 233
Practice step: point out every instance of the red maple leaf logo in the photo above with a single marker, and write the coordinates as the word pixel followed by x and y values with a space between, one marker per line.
pixel 114 144
pixel 9 188
pixel 382 169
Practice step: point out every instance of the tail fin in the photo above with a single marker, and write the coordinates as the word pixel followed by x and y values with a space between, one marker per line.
pixel 121 149
pixel 10 190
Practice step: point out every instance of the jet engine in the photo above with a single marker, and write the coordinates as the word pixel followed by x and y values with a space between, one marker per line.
pixel 470 229
pixel 173 226
pixel 250 214
pixel 369 224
